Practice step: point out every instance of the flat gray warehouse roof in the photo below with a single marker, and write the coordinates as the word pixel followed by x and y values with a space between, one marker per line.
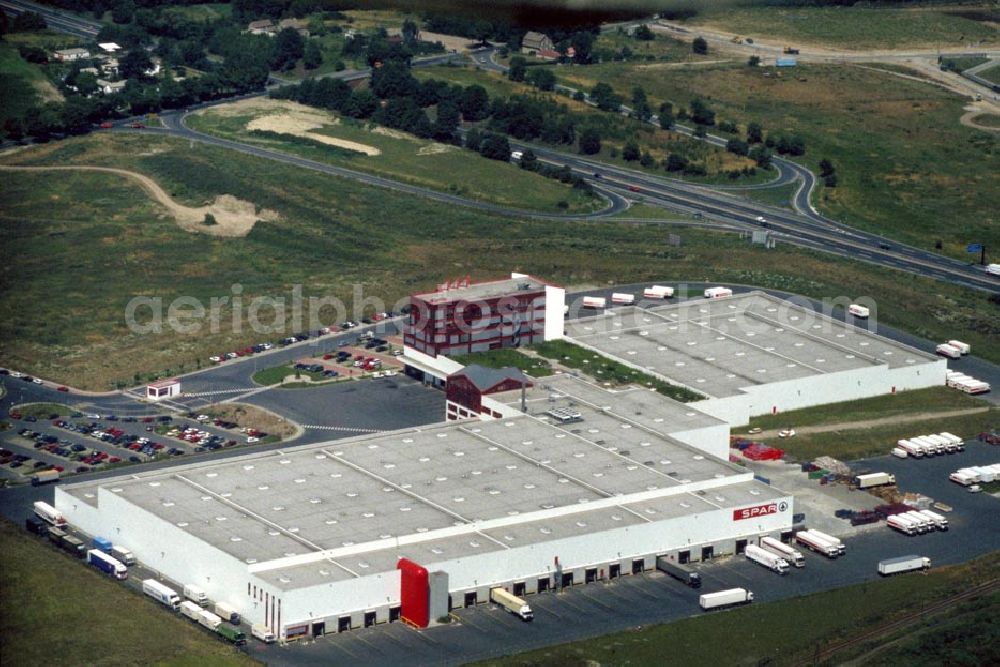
pixel 720 346
pixel 448 489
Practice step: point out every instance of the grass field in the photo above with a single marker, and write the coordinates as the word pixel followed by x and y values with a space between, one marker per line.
pixel 989 120
pixel 779 196
pixel 69 289
pixel 932 399
pixel 405 158
pixel 44 410
pixel 45 588
pixel 21 84
pixel 901 156
pixel 506 358
pixel 659 48
pixel 991 73
pixel 790 632
pixel 857 27
pixel 848 444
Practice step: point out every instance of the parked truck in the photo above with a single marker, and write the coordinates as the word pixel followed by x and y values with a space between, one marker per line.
pixel 264 634
pixel 940 522
pixel 658 292
pixel 190 610
pixel 103 544
pixel 779 548
pixel 861 312
pixel 73 545
pixel 107 564
pixel 766 559
pixel 717 292
pixel 511 603
pixel 838 545
pixel 595 302
pixel 623 299
pixel 891 566
pixel 681 573
pixel 227 612
pixel 49 514
pixel 195 594
pixel 946 350
pixel 234 635
pixel 208 619
pixel 993 269
pixel 727 598
pixel 123 555
pixel 902 524
pixel 161 593
pixel 820 546
pixel 36 526
pixel 44 477
pixel 964 348
pixel 874 479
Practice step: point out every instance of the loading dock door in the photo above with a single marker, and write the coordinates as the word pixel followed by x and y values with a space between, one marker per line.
pixel 369 619
pixel 614 571
pixel 590 575
pixel 470 599
pixel 707 553
pixel 394 614
pixel 319 629
pixel 343 624
pixel 741 546
pixel 637 565
pixel 567 579
pixel 519 588
pixel 684 557
pixel 543 584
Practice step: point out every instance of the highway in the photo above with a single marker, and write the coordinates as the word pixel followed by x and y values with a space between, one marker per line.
pixel 59 20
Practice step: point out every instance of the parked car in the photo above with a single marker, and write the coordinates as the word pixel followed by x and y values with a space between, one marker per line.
pixel 61 388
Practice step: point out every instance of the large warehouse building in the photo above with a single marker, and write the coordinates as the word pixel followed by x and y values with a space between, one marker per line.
pixel 588 485
pixel 754 354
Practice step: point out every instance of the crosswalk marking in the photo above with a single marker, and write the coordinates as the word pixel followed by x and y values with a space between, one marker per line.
pixel 345 429
pixel 218 392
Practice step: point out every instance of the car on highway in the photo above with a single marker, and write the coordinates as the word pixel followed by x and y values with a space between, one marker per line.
pixel 786 433
pixel 61 388
pixel 106 125
pixel 633 188
pixel 136 126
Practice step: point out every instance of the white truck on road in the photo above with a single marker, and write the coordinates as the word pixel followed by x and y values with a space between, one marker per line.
pixel 161 593
pixel 595 302
pixel 658 292
pixel 858 311
pixel 766 559
pixel 891 566
pixel 727 598
pixel 49 514
pixel 511 603
pixel 717 292
pixel 779 548
pixel 622 298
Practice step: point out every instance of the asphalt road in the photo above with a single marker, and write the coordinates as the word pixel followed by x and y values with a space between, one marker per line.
pixel 61 21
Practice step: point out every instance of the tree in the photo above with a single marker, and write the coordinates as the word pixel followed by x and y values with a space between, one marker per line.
pixel 755 133
pixel 474 103
pixel 134 64
pixel 666 115
pixel 605 98
pixel 495 147
pixel 410 31
pixel 825 167
pixel 631 152
pixel 644 33
pixel 28 22
pixel 529 161
pixel 753 61
pixel 393 79
pixel 737 147
pixel 676 162
pixel 518 67
pixel 209 220
pixel 541 78
pixel 761 155
pixel 86 83
pixel 590 141
pixel 447 121
pixel 640 105
pixel 313 56
pixel 583 44
pixel 700 113
pixel 699 46
pixel 647 160
pixel 473 139
pixel 830 180
pixel 288 48
pixel 700 132
pixel 123 11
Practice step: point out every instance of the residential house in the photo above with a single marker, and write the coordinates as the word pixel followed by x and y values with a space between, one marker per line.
pixel 262 27
pixel 535 42
pixel 109 47
pixel 110 87
pixel 70 55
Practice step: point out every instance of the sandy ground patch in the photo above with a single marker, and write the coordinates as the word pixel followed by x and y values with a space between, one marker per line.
pixel 300 126
pixel 389 132
pixel 243 107
pixel 435 149
pixel 234 217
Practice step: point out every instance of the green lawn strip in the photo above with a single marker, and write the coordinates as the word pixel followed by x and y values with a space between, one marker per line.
pixel 406 158
pixel 44 410
pixel 784 632
pixel 901 157
pixel 918 401
pixel 962 63
pixel 605 370
pixel 45 588
pixel 506 358
pixel 780 196
pixel 991 73
pixel 989 120
pixel 848 444
pixel 855 27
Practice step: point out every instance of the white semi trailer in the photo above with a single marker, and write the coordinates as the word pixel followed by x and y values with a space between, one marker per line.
pixel 891 566
pixel 793 556
pixel 511 603
pixel 765 558
pixel 727 598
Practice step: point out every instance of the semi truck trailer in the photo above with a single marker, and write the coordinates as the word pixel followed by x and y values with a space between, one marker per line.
pixel 727 598
pixel 208 619
pixel 810 541
pixel 964 348
pixel 190 610
pixel 766 559
pixel 264 634
pixel 107 564
pixel 858 311
pixel 681 573
pixel 838 545
pixel 123 555
pixel 717 292
pixel 874 479
pixel 44 477
pixel 940 522
pixel 161 593
pixel 891 566
pixel 779 548
pixel 511 603
pixel 623 299
pixel 49 514
pixel 195 594
pixel 946 350
pixel 73 545
pixel 227 612
pixel 902 524
pixel 658 292
pixel 596 302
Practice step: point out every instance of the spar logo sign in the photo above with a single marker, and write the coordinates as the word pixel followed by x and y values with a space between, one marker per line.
pixel 759 511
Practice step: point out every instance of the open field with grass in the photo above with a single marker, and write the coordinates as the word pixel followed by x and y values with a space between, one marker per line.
pixel 859 27
pixel 916 402
pixel 855 443
pixel 989 120
pixel 790 632
pixel 46 588
pixel 991 73
pixel 44 410
pixel 901 156
pixel 505 358
pixel 660 48
pixel 400 156
pixel 75 249
pixel 22 85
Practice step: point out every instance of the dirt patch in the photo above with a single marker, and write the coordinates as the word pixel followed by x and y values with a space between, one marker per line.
pixel 243 107
pixel 435 149
pixel 251 416
pixel 233 217
pixel 395 134
pixel 301 126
